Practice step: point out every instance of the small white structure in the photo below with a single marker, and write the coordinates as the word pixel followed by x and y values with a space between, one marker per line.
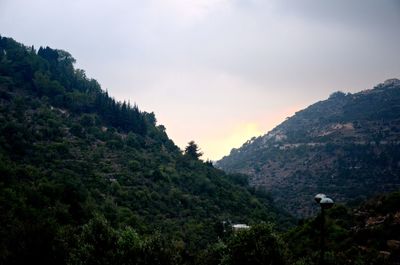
pixel 238 227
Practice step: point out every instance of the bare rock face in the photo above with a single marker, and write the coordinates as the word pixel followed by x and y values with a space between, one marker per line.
pixel 347 146
pixel 397 218
pixel 393 244
pixel 375 220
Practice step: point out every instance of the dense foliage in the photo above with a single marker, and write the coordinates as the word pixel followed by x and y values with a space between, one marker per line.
pixel 367 235
pixel 85 179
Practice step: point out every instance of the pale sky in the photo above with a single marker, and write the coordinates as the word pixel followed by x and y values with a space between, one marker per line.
pixel 218 71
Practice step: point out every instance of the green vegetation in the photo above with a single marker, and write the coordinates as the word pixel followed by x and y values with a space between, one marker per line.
pixel 85 179
pixel 369 234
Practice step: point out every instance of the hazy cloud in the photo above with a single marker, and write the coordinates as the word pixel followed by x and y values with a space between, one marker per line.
pixel 207 65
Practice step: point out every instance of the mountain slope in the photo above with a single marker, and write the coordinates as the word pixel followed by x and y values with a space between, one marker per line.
pixel 346 146
pixel 73 159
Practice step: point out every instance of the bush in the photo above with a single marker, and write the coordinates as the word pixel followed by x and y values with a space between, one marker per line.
pixel 257 245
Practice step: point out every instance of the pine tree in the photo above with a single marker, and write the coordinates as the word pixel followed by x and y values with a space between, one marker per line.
pixel 193 150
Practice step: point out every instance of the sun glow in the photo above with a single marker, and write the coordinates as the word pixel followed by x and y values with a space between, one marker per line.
pixel 217 146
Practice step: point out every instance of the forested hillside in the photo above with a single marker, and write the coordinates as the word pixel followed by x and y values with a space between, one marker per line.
pixel 347 146
pixel 85 179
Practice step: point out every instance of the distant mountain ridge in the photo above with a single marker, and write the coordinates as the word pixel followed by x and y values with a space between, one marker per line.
pixel 347 146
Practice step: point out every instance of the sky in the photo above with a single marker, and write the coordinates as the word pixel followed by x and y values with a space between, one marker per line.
pixel 218 71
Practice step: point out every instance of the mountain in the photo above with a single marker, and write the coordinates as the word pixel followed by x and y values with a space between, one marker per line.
pixel 347 146
pixel 85 179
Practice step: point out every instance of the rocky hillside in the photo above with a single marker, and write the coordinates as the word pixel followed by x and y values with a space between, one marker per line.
pixel 347 146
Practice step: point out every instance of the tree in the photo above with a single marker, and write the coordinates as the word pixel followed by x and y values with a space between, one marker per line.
pixel 258 245
pixel 193 150
pixel 98 243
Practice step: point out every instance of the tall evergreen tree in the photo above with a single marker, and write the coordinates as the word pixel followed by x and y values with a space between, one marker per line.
pixel 193 150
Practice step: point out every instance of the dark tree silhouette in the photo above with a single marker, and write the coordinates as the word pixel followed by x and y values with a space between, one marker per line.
pixel 193 150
